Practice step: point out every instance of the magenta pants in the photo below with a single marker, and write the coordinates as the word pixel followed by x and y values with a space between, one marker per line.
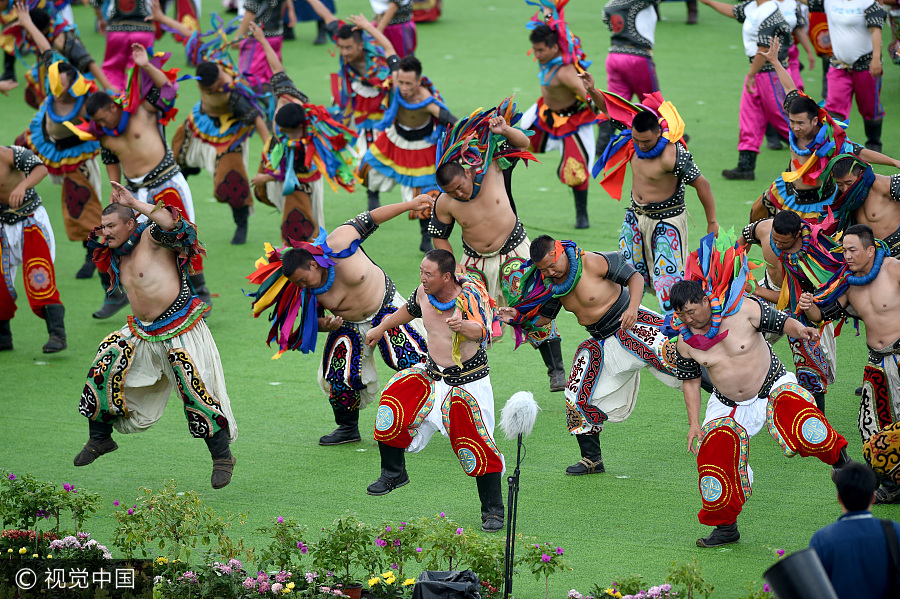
pixel 403 37
pixel 253 62
pixel 628 75
pixel 844 83
pixel 765 105
pixel 117 59
pixel 794 66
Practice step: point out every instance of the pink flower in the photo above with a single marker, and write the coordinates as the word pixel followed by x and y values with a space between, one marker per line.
pixel 442 514
pixel 396 542
pixel 12 477
pixel 310 577
pixel 780 552
pixel 387 529
pixel 281 576
pixel 380 542
pixel 459 531
pixel 116 503
pixel 418 550
pixel 767 588
pixel 276 588
pixel 130 511
pixel 264 587
pixel 280 519
pixel 394 566
pixel 249 583
pixel 559 551
pixel 665 587
pixel 545 558
pixel 303 548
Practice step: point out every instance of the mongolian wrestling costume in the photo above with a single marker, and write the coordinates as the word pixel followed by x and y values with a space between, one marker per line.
pixel 806 270
pixel 457 402
pixel 126 25
pixel 299 165
pixel 654 236
pixel 571 131
pixel 401 30
pixel 879 409
pixel 606 370
pixel 138 366
pixel 470 143
pixel 793 15
pixel 853 199
pixel 787 409
pixel 810 204
pixel 71 161
pixel 347 370
pixel 629 65
pixel 26 238
pixel 252 59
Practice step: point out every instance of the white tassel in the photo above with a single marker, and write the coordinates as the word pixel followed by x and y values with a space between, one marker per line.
pixel 518 415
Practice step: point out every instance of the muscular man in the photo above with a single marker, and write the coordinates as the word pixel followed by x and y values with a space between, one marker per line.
pixel 752 388
pixel 26 238
pixel 604 292
pixel 475 195
pixel 451 393
pixel 815 139
pixel 869 199
pixel 561 118
pixel 796 262
pixel 358 295
pixel 868 289
pixel 404 152
pixel 166 343
pixel 215 136
pixel 133 143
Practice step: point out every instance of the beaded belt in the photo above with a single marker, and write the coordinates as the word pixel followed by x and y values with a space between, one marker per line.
pixel 659 210
pixel 164 171
pixel 9 215
pixel 474 368
pixel 515 238
pixel 875 355
pixel 776 371
pixel 610 322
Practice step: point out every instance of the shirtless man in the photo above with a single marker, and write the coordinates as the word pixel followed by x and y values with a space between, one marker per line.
pixel 562 101
pixel 404 151
pixel 202 142
pixel 796 190
pixel 135 146
pixel 876 202
pixel 358 295
pixel 451 393
pixel 793 260
pixel 165 345
pixel 871 293
pixel 494 240
pixel 625 337
pixel 748 378
pixel 27 240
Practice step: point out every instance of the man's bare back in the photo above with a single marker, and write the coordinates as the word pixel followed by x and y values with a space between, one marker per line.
pixel 358 288
pixel 652 178
pixel 878 305
pixel 880 211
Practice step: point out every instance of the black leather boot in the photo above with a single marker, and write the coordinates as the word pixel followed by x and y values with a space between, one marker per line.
pixel 745 168
pixel 581 215
pixel 843 460
pixel 591 461
pixel 100 441
pixel 320 34
pixel 241 216
pixel 820 401
pixel 9 67
pixel 604 134
pixel 374 199
pixel 347 430
pixel 826 64
pixel 198 283
pixel 289 34
pixel 491 497
pixel 6 343
pixel 723 534
pixel 691 12
pixel 426 245
pixel 87 269
pixel 393 470
pixel 873 134
pixel 223 461
pixel 773 139
pixel 551 352
pixel 113 302
pixel 54 316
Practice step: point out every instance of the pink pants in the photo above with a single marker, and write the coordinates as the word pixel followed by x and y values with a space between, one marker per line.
pixel 794 66
pixel 765 105
pixel 628 75
pixel 844 83
pixel 403 37
pixel 117 60
pixel 253 62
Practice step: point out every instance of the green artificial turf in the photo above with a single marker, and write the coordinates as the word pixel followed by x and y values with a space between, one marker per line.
pixel 637 518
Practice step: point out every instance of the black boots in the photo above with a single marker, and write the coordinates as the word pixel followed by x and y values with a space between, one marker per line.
pixel 5 336
pixel 100 441
pixel 320 34
pixel 843 460
pixel 591 461
pixel 9 67
pixel 551 352
pixel 54 316
pixel 581 215
pixel 198 283
pixel 426 245
pixel 87 269
pixel 113 302
pixel 873 134
pixel 888 492
pixel 723 534
pixel 223 461
pixel 393 470
pixel 820 401
pixel 240 219
pixel 773 139
pixel 374 199
pixel 745 167
pixel 604 134
pixel 491 502
pixel 347 430
pixel 691 12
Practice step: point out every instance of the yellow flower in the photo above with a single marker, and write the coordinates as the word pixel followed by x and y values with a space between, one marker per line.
pixel 23 551
pixel 388 573
pixel 285 591
pixel 618 595
pixel 162 560
pixel 610 591
pixel 291 586
pixel 390 579
pixel 35 555
pixel 49 557
pixel 373 581
pixel 408 582
pixel 9 550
